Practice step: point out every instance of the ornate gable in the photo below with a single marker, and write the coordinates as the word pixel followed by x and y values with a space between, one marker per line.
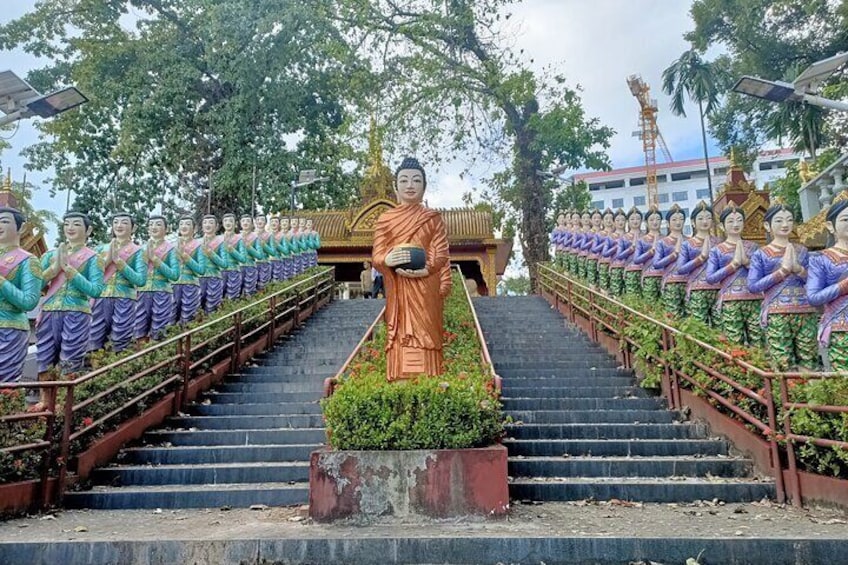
pixel 365 219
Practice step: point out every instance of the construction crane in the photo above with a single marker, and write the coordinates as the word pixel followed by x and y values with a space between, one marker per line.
pixel 649 134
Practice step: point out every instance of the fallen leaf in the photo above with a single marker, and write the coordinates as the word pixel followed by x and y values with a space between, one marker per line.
pixel 258 507
pixel 80 529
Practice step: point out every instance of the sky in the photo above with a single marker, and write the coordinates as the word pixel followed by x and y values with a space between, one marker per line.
pixel 596 44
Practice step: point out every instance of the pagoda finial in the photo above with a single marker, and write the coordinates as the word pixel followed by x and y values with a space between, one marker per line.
pixel 7 182
pixel 375 144
pixel 734 163
pixel 378 181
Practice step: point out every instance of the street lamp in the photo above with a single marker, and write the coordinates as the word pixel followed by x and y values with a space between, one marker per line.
pixel 801 90
pixel 305 179
pixel 18 100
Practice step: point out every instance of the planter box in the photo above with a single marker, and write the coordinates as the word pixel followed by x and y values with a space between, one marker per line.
pixel 437 483
pixel 24 496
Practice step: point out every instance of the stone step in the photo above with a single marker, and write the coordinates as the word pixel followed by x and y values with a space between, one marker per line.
pixel 266 409
pixel 684 489
pixel 593 416
pixel 513 404
pixel 573 392
pixel 614 447
pixel 316 384
pixel 219 454
pixel 270 377
pixel 605 431
pixel 203 474
pixel 565 378
pixel 542 364
pixel 249 422
pixel 236 437
pixel 311 390
pixel 190 496
pixel 301 369
pixel 615 467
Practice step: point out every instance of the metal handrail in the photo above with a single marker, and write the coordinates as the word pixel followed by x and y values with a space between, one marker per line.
pixel 563 287
pixel 307 293
pixel 484 347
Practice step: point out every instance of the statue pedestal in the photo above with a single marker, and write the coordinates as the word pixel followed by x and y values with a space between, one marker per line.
pixel 365 485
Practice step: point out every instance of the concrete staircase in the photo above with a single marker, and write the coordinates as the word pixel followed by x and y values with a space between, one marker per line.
pixel 583 428
pixel 246 442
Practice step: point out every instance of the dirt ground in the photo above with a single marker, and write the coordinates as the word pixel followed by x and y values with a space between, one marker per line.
pixel 714 519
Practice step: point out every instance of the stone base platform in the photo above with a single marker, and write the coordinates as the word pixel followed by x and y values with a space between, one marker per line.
pixel 364 485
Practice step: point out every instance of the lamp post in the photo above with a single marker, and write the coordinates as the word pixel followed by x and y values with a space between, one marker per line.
pixel 18 100
pixel 305 178
pixel 803 89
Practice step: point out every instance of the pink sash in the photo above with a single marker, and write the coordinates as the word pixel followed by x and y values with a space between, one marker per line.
pixel 76 260
pixel 190 246
pixel 250 238
pixel 123 254
pixel 216 242
pixel 11 260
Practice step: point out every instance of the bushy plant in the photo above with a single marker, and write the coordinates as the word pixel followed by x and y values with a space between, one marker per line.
pixel 456 410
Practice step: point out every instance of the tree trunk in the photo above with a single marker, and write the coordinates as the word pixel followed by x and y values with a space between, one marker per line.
pixel 706 153
pixel 534 238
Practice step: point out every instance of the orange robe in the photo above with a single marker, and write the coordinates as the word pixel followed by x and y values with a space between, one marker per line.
pixel 414 307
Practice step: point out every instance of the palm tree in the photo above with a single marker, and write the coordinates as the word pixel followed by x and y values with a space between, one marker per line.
pixel 690 76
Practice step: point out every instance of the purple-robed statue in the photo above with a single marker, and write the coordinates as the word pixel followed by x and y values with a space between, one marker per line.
pixel 249 270
pixel 212 282
pixel 74 275
pixel 20 289
pixel 275 241
pixel 113 314
pixel 232 250
pixel 192 266
pixel 827 286
pixel 155 307
pixel 263 266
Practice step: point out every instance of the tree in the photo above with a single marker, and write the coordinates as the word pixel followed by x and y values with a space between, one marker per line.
pixel 515 286
pixel 452 85
pixel 692 77
pixel 572 196
pixel 773 39
pixel 193 92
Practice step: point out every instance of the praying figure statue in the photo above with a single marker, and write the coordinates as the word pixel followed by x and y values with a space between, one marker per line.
pixel 154 310
pixel 632 276
pixel 252 246
pixel 602 244
pixel 646 248
pixel 779 272
pixel 411 250
pixel 211 281
pixel 288 248
pixel 700 295
pixel 187 294
pixel 264 241
pixel 73 274
pixel 668 250
pixel 233 252
pixel 827 286
pixel 315 239
pixel 277 242
pixel 113 314
pixel 20 288
pixel 615 277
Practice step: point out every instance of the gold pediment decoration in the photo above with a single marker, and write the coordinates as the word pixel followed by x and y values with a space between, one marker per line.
pixel 365 219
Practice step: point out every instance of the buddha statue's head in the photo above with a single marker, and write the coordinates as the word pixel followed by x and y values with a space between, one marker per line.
pixel 246 223
pixel 11 222
pixel 702 217
pixel 676 219
pixel 123 226
pixel 410 181
pixel 836 221
pixel 186 227
pixel 157 227
pixel 260 221
pixel 209 225
pixel 732 220
pixel 229 222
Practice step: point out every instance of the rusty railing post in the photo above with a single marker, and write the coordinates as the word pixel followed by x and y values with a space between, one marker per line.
pixel 65 445
pixel 186 368
pixel 272 327
pixel 667 386
pixel 794 481
pixel 234 367
pixel 774 447
pixel 49 451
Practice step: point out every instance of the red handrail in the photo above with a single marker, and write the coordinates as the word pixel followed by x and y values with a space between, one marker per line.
pixel 565 289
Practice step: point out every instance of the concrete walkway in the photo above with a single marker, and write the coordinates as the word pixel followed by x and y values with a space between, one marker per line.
pixel 574 532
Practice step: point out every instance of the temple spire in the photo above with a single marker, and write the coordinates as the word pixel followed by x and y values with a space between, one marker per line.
pixel 378 182
pixel 7 197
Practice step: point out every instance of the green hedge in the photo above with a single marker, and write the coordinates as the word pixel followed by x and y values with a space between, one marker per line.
pixel 453 411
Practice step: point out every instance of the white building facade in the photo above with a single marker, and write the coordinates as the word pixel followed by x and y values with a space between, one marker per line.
pixel 683 183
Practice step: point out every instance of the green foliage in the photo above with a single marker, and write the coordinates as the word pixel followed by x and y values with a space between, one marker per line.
pixel 773 39
pixel 786 187
pixel 515 286
pixel 182 90
pixel 574 196
pixel 25 465
pixel 451 411
pixel 455 86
